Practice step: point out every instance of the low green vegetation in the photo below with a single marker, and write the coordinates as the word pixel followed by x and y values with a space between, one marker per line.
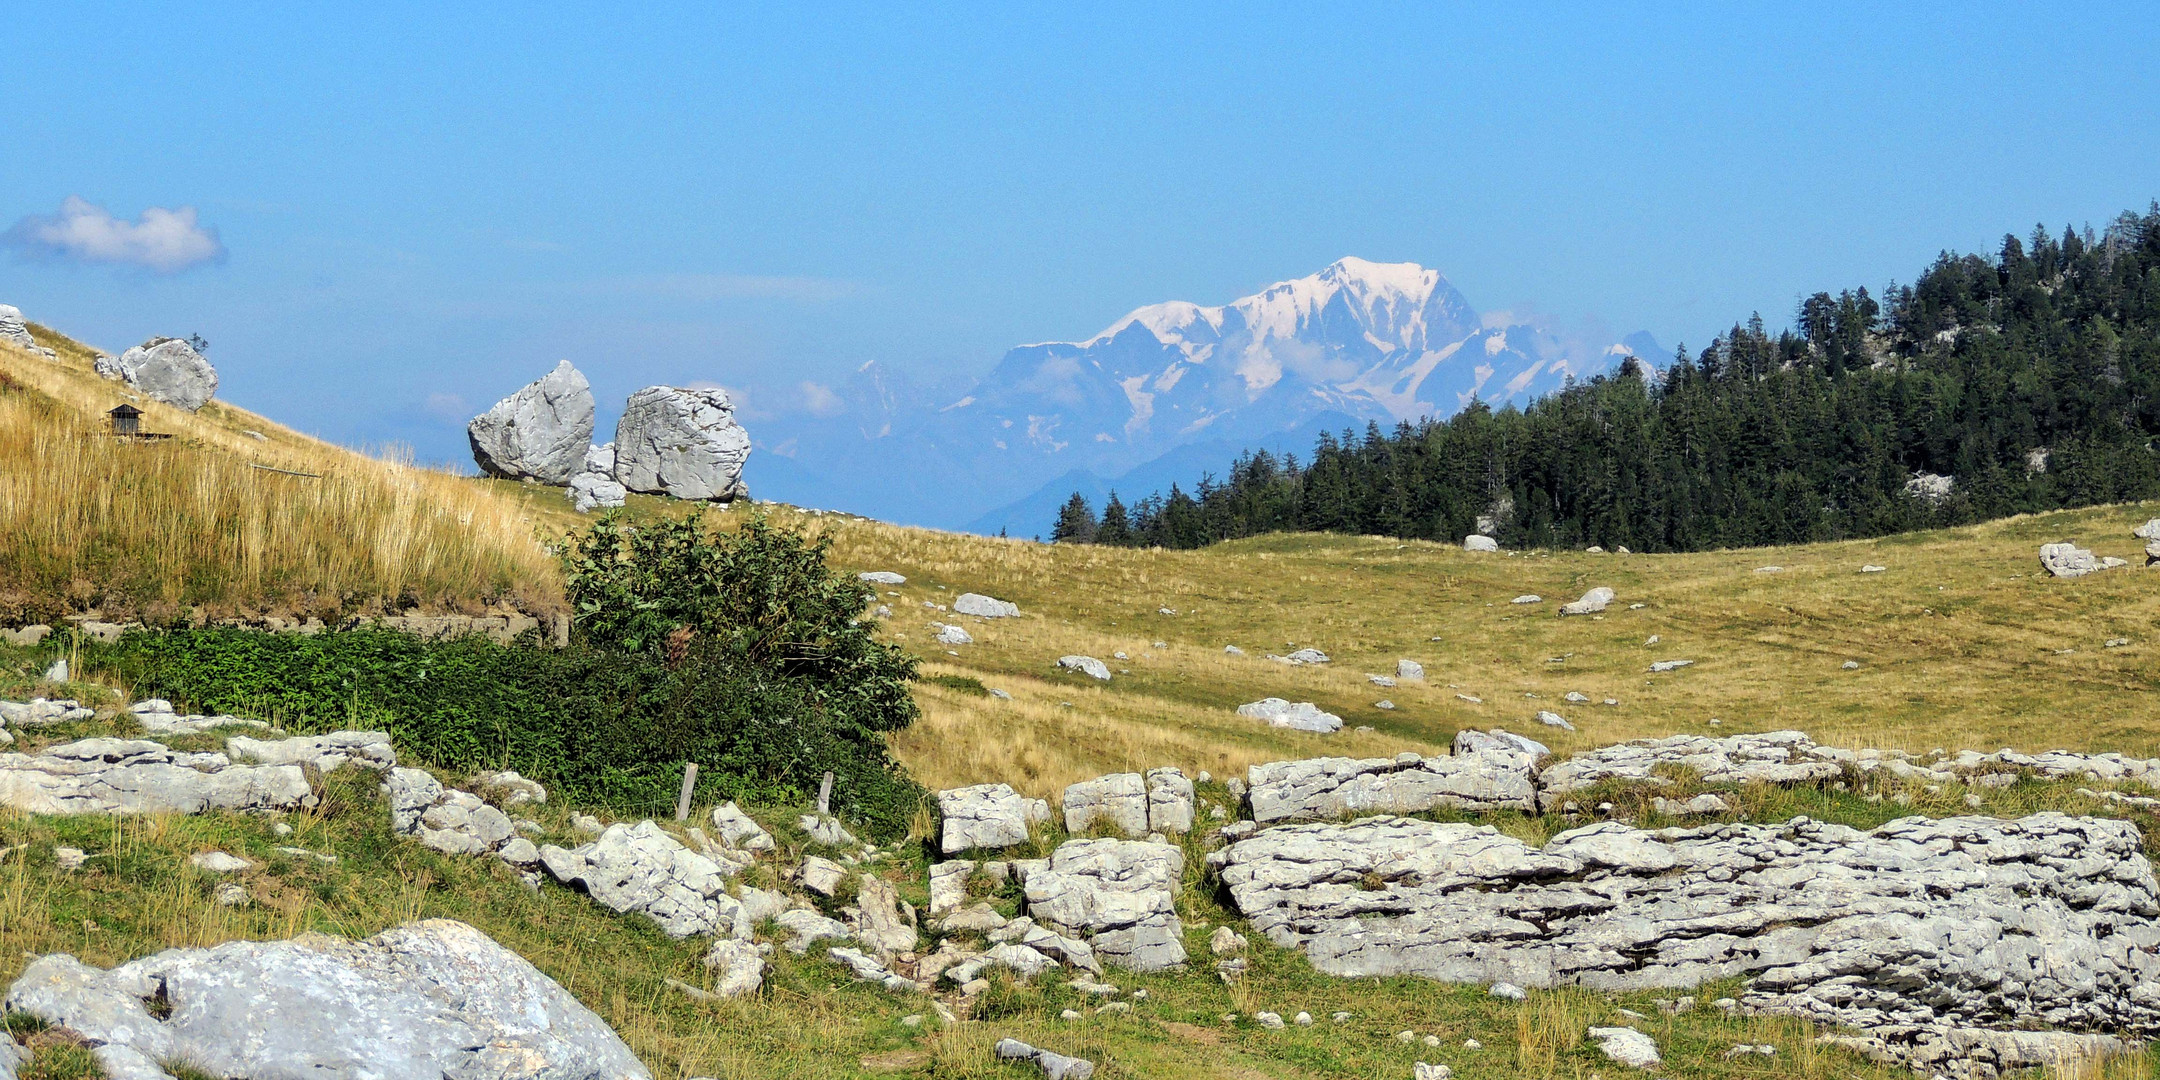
pixel 735 650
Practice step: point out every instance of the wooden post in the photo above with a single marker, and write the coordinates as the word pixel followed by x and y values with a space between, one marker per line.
pixel 824 794
pixel 682 801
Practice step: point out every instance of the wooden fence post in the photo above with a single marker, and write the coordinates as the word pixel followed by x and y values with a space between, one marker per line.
pixel 689 781
pixel 824 794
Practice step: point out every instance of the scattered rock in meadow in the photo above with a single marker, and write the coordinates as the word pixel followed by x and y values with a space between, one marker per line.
pixel 1528 598
pixel 1552 719
pixel 1476 542
pixel 644 870
pixel 1118 895
pixel 1055 1066
pixel 1085 665
pixel 949 634
pixel 737 966
pixel 881 577
pixel 2068 560
pixel 219 862
pixel 986 816
pixel 38 712
pixel 1118 801
pixel 1627 1046
pixel 984 607
pixel 1409 671
pixel 1661 666
pixel 1297 716
pixel 738 831
pixel 1169 800
pixel 448 820
pixel 1591 602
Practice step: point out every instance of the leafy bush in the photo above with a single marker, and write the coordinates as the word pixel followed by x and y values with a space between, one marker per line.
pixel 738 651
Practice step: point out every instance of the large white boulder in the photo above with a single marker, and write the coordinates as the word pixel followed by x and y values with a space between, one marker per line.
pixel 164 369
pixel 984 607
pixel 681 442
pixel 435 998
pixel 539 433
pixel 2068 560
pixel 1591 603
pixel 987 816
pixel 1479 542
pixel 1119 800
pixel 642 869
pixel 1118 894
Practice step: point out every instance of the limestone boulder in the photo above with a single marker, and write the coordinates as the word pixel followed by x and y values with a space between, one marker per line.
pixel 2068 560
pixel 448 820
pixel 1085 665
pixel 1118 802
pixel 1478 542
pixel 322 753
pixel 985 607
pixel 1297 716
pixel 164 369
pixel 435 998
pixel 539 433
pixel 1591 602
pixel 1169 800
pixel 681 442
pixel 1118 895
pixel 986 816
pixel 641 869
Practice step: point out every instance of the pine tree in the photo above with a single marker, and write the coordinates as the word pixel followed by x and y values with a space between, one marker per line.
pixel 1075 522
pixel 1114 528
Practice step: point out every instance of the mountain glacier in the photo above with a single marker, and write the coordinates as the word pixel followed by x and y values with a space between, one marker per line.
pixel 1357 341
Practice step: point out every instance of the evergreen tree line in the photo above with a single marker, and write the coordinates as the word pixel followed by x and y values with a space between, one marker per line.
pixel 2031 379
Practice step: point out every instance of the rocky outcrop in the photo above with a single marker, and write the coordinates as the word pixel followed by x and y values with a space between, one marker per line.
pixel 38 712
pixel 158 717
pixel 16 332
pixel 594 486
pixel 1118 802
pixel 683 443
pixel 164 369
pixel 1921 933
pixel 2150 533
pixel 323 753
pixel 1777 757
pixel 1170 800
pixel 539 433
pixel 987 816
pixel 448 820
pixel 1486 773
pixel 640 868
pixel 134 776
pixel 1118 895
pixel 434 998
pixel 1297 716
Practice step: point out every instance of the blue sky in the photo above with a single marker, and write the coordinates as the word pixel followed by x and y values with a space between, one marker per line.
pixel 421 208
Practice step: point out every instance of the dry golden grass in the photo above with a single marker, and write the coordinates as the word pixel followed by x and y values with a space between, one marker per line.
pixel 154 527
pixel 1963 643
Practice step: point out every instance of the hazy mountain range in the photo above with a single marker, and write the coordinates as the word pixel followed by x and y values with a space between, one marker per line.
pixel 1165 394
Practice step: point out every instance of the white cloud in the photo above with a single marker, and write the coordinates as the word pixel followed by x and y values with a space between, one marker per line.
pixel 821 401
pixel 166 241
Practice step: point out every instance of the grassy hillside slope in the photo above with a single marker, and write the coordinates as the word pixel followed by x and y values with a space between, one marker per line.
pixel 216 518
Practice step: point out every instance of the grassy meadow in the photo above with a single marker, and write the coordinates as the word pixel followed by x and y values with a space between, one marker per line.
pixel 1962 642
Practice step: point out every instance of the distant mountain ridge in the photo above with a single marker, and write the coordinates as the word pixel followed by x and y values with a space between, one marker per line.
pixel 1359 340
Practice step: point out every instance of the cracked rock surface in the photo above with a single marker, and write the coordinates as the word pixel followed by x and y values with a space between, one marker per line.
pixel 431 998
pixel 1118 895
pixel 1486 773
pixel 1929 935
pixel 640 868
pixel 136 776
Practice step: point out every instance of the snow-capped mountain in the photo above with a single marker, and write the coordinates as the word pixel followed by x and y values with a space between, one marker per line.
pixel 1357 341
pixel 1386 341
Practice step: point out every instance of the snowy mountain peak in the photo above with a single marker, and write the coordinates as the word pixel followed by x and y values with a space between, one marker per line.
pixel 1394 306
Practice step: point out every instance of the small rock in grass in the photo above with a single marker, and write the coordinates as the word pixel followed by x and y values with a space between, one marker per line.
pixel 233 894
pixel 1069 1015
pixel 70 858
pixel 911 1020
pixel 1384 705
pixel 1871 568
pixel 1472 1044
pixel 1303 1019
pixel 1509 991
pixel 1406 1036
pixel 218 862
pixel 1268 1020
pixel 1627 1046
pixel 1340 1017
pixel 1432 1040
pixel 1553 719
pixel 1424 1071
pixel 1055 1066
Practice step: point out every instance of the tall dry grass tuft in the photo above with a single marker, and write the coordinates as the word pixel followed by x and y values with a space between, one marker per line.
pixel 204 518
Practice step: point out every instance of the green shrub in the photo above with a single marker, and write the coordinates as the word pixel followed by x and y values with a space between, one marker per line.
pixel 738 651
pixel 966 684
